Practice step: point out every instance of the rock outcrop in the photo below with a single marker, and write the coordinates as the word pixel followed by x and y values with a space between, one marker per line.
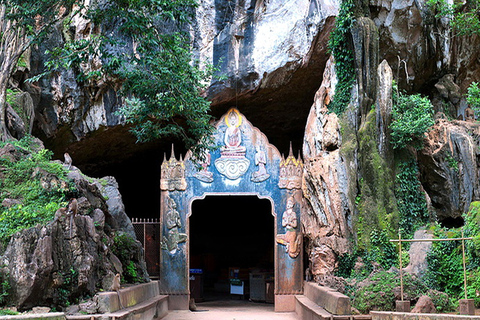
pixel 449 167
pixel 77 253
pixel 325 184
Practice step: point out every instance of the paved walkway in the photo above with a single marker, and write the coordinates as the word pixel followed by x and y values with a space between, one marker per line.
pixel 231 310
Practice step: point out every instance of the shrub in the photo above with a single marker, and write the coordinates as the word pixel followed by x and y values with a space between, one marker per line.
pixel 124 247
pixel 410 199
pixel 341 48
pixel 380 292
pixel 412 115
pixel 39 185
pixel 473 97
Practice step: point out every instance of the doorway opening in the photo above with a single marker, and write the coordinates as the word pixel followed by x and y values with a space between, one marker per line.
pixel 231 249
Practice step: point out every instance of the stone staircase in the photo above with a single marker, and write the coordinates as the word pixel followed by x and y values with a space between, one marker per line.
pixel 319 303
pixel 141 301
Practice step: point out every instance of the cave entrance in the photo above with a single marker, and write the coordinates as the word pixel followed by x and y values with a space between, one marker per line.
pixel 231 249
pixel 219 195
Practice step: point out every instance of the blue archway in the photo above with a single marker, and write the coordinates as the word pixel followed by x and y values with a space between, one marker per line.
pixel 244 163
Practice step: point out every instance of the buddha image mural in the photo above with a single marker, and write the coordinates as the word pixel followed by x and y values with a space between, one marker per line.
pixel 291 239
pixel 233 135
pixel 174 224
pixel 232 162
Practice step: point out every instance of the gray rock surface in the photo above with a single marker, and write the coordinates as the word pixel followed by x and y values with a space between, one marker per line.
pixel 69 257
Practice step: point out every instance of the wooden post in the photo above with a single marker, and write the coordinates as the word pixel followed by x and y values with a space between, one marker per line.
pixel 400 258
pixel 464 267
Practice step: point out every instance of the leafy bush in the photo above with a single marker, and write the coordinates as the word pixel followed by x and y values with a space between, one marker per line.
pixel 5 286
pixel 473 97
pixel 464 17
pixel 39 185
pixel 412 115
pixel 124 247
pixel 410 199
pixel 445 265
pixel 341 48
pixel 380 251
pixel 379 292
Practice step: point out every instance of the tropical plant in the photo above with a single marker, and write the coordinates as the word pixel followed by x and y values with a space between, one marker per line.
pixel 160 81
pixel 412 116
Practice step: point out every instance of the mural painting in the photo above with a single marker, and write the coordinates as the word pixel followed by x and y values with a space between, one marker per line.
pixel 244 163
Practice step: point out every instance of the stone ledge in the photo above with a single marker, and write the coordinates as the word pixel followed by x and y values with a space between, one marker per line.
pixel 37 316
pixel 306 309
pixel 109 301
pixel 331 300
pixel 156 307
pixel 381 315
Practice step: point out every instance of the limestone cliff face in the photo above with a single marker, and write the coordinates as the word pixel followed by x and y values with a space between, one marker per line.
pixel 274 55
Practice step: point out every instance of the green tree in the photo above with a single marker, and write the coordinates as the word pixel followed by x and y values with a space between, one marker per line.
pixel 473 97
pixel 412 116
pixel 464 16
pixel 145 46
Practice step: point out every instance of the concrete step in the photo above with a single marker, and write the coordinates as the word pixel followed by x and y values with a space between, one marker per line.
pixel 306 309
pixel 153 308
pixel 109 301
pixel 333 301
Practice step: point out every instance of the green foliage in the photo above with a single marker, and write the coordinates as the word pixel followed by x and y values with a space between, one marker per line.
pixel 445 269
pixel 473 97
pixel 7 312
pixel 383 251
pixel 464 17
pixel 411 201
pixel 341 48
pixel 38 184
pixel 452 162
pixel 379 293
pixel 63 294
pixel 376 201
pixel 160 80
pixel 124 247
pixel 380 251
pixel 5 288
pixel 445 264
pixel 412 116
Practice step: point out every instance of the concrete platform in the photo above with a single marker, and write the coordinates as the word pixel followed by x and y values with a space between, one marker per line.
pixel 231 309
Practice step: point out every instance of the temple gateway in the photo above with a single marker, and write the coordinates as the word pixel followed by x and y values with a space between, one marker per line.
pixel 244 165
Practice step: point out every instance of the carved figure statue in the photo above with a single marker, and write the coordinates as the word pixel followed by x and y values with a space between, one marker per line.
pixel 205 175
pixel 291 239
pixel 173 223
pixel 261 162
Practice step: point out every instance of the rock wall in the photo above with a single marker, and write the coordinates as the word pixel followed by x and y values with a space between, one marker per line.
pixel 73 256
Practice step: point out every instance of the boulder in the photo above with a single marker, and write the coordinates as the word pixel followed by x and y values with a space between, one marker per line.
pixel 69 258
pixel 424 305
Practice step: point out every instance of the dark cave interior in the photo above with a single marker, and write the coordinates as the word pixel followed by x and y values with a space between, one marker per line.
pixel 231 232
pixel 138 175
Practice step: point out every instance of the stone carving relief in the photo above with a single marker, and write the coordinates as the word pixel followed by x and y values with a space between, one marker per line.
pixel 205 175
pixel 173 174
pixel 173 223
pixel 260 161
pixel 291 239
pixel 232 162
pixel 291 172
